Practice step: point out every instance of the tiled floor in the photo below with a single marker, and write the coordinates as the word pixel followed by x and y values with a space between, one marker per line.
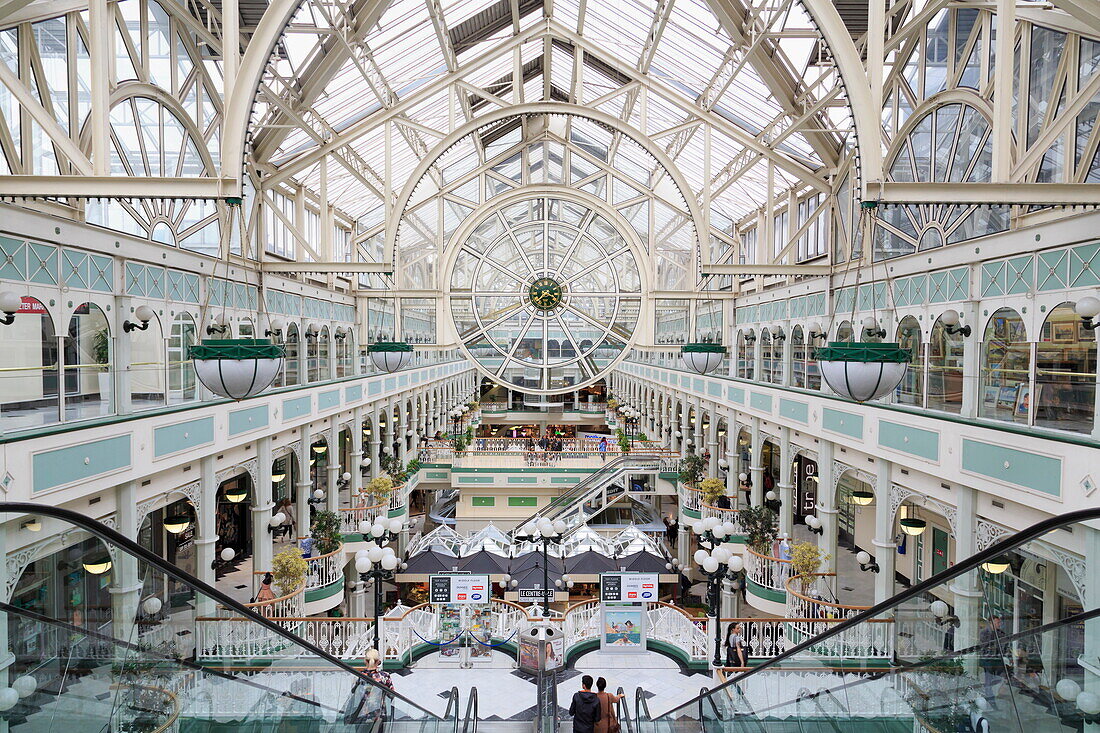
pixel 504 694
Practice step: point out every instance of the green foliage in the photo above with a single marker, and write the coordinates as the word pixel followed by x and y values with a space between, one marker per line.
pixel 462 442
pixel 806 559
pixel 391 464
pixel 713 489
pixel 289 569
pixel 759 524
pixel 381 487
pixel 412 467
pixel 622 440
pixel 101 346
pixel 326 532
pixel 613 404
pixel 641 436
pixel 692 467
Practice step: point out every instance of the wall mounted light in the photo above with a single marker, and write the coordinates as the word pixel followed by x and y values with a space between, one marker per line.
pixel 216 327
pixel 277 477
pixel 98 565
pixel 144 314
pixel 942 612
pixel 177 523
pixel 861 498
pixel 275 328
pixel 225 556
pixel 236 494
pixel 1088 308
pixel 34 524
pixel 814 524
pixel 950 320
pixel 866 562
pixel 9 304
pixel 750 338
pixel 872 329
pixel 815 331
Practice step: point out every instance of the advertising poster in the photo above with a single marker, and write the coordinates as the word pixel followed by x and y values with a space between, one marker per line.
pixel 479 626
pixel 555 654
pixel 623 629
pixel 450 626
pixel 528 655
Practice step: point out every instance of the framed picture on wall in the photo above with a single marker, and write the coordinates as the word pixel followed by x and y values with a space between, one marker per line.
pixel 1084 333
pixel 989 395
pixel 1023 400
pixel 1006 397
pixel 1064 332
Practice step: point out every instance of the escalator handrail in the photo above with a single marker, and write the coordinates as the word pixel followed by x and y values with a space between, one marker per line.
pixel 585 485
pixel 641 707
pixel 111 536
pixel 971 563
pixel 469 725
pixel 622 712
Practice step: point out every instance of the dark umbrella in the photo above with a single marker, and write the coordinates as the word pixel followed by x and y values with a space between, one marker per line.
pixel 534 560
pixel 484 561
pixel 590 562
pixel 643 562
pixel 430 561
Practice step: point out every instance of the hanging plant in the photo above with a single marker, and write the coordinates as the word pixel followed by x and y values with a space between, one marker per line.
pixel 237 368
pixel 692 467
pixel 806 559
pixel 390 356
pixel 862 371
pixel 702 357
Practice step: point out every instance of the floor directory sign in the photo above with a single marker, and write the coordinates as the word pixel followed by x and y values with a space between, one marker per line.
pixel 458 589
pixel 628 587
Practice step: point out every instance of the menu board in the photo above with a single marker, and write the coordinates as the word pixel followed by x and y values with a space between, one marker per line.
pixel 628 587
pixel 458 589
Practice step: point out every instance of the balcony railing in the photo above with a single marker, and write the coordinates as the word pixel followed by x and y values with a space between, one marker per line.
pixel 767 571
pixel 324 570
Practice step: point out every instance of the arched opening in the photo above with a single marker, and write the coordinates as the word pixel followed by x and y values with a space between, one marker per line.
pixel 911 389
pixel 1006 366
pixel 1065 372
pixel 746 365
pixel 233 520
pixel 844 332
pixel 89 389
pixel 324 350
pixel 245 329
pixel 182 385
pixel 28 395
pixel 291 362
pixel 176 548
pixel 945 368
pixel 798 357
pixel 284 488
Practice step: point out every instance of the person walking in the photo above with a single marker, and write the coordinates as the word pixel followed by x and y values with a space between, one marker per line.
pixel 608 722
pixel 585 707
pixel 288 528
pixel 602 448
pixel 992 659
pixel 735 646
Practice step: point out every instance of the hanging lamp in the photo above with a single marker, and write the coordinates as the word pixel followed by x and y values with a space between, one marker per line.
pixel 702 357
pixel 863 370
pixel 391 356
pixel 236 368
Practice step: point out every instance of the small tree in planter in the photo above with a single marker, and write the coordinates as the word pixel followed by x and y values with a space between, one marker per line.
pixel 713 489
pixel 691 469
pixel 380 488
pixel 391 464
pixel 806 559
pixel 326 533
pixel 289 569
pixel 760 528
pixel 613 404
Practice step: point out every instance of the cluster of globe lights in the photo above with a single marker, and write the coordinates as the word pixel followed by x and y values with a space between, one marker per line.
pixel 385 557
pixel 536 529
pixel 458 412
pixel 712 559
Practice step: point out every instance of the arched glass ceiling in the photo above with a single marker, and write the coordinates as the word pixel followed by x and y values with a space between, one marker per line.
pixel 381 89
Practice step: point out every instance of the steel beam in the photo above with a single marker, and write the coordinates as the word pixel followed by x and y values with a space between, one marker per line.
pixel 1039 194
pixel 117 187
pixel 750 270
pixel 383 268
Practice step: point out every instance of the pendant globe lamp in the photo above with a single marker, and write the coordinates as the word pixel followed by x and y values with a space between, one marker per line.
pixel 702 357
pixel 862 371
pixel 390 356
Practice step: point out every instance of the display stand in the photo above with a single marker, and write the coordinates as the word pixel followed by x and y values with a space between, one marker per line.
pixel 462 603
pixel 623 617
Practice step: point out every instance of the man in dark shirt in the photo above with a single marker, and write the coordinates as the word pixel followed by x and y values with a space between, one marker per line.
pixel 585 707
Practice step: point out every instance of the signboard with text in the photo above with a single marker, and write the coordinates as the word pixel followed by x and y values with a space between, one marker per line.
pixel 628 587
pixel 458 589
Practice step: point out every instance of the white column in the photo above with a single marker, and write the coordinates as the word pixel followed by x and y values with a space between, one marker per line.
pixel 756 464
pixel 966 590
pixel 401 429
pixel 332 485
pixel 262 550
pixel 125 590
pixel 885 546
pixel 356 468
pixel 826 506
pixel 785 483
pixel 206 531
pixel 304 486
pixel 375 442
pixel 712 442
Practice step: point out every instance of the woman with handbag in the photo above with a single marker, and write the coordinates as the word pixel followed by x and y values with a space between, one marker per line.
pixel 608 722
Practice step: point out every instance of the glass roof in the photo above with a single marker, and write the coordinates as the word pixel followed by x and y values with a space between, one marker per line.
pixel 393 87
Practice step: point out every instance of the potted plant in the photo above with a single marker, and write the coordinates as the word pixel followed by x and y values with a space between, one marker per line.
pixel 713 489
pixel 758 524
pixel 326 532
pixel 381 487
pixel 101 353
pixel 289 569
pixel 613 404
pixel 806 559
pixel 692 467
pixel 391 464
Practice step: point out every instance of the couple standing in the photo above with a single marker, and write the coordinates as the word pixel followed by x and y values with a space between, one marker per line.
pixel 594 712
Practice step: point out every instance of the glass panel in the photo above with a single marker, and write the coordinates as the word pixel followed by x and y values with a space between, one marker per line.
pixel 945 369
pixel 1006 359
pixel 28 367
pixel 89 386
pixel 1065 372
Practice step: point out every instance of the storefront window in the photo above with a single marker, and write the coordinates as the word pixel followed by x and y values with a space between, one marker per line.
pixel 182 385
pixel 1006 357
pixel 28 390
pixel 1065 372
pixel 746 367
pixel 844 332
pixel 911 389
pixel 290 363
pixel 945 369
pixel 88 379
pixel 324 346
pixel 147 372
pixel 767 357
pixel 798 357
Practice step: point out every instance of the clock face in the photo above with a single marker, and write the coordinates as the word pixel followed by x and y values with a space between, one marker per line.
pixel 545 293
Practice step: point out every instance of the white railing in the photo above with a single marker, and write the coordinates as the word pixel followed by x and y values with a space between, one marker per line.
pixel 769 637
pixel 494 406
pixel 324 570
pixel 766 571
pixel 805 599
pixel 350 518
pixel 582 622
pixel 671 625
pixel 723 515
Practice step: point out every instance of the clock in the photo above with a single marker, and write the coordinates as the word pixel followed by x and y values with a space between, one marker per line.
pixel 545 293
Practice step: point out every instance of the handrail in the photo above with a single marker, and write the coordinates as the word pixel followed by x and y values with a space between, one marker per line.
pixel 766 557
pixel 114 537
pixel 469 725
pixel 622 712
pixel 971 563
pixel 818 601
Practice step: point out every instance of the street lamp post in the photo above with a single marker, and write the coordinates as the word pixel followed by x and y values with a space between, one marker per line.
pixel 717 563
pixel 547 533
pixel 378 563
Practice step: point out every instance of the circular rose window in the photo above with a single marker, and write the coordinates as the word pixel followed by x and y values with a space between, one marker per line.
pixel 545 294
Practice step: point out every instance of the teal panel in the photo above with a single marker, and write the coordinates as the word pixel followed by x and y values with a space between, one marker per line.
pixel 714 389
pixel 78 462
pixel 908 439
pixel 135 279
pixel 74 269
pixel 794 410
pixel 696 384
pixel 1084 266
pixel 736 394
pixel 1052 271
pixel 241 421
pixel 483 501
pixel 1018 275
pixel 391 383
pixel 183 435
pixel 328 400
pixel 296 407
pixel 564 479
pixel 522 501
pixel 958 284
pixel 435 474
pixel 938 288
pixel 374 388
pixel 42 264
pixel 353 393
pixel 523 479
pixel 1022 468
pixel 842 422
pixel 475 479
pixel 761 402
pixel 13 259
pixel 403 380
pixel 101 270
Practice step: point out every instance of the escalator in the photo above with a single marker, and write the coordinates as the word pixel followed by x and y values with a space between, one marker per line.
pixel 597 490
pixel 100 647
pixel 971 652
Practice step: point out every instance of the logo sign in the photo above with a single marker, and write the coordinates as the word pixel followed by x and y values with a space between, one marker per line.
pixel 458 588
pixel 31 306
pixel 628 587
pixel 535 594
